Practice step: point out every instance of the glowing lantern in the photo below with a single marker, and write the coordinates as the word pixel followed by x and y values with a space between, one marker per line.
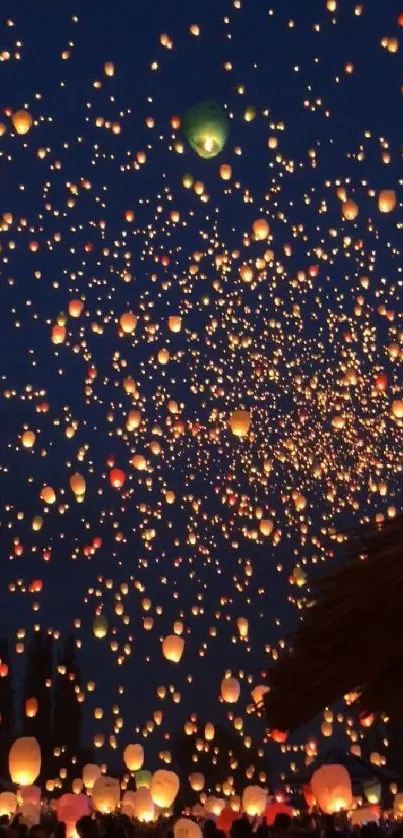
pixel 230 690
pixel 398 803
pixel 31 708
pixel 387 200
pixel 109 68
pixel 206 128
pixel 246 273
pixel 326 728
pixel 279 736
pixel 243 627
pixel 240 423
pixel 186 828
pixel 77 484
pixel 254 800
pixel 258 693
pixel 128 323
pixel 143 805
pixel 106 795
pixel 91 773
pixel 260 229
pixel 172 647
pixel 72 807
pixel 22 121
pixel 209 732
pixel 24 761
pixel 48 495
pixel 349 209
pixel 197 781
pixel 266 526
pixel 28 439
pixel 139 462
pixel 8 803
pixel 59 334
pixel 100 626
pixel 397 409
pixel 143 779
pixel 163 356
pixel 133 420
pixel 175 323
pixel 225 171
pixel 373 791
pixel 214 806
pixel 117 478
pixel 331 785
pixel 75 308
pixel 133 756
pixel 164 788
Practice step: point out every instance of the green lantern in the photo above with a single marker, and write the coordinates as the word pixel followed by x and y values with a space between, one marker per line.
pixel 143 779
pixel 206 128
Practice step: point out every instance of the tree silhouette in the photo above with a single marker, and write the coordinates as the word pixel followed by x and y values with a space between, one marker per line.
pixel 67 710
pixel 38 684
pixel 6 707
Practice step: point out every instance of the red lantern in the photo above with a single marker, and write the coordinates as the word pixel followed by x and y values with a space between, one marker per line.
pixel 381 383
pixel 279 736
pixel 117 478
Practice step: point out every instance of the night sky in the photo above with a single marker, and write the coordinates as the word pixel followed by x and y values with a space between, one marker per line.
pixel 103 201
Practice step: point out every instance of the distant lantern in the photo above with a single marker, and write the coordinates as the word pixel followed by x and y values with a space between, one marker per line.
pixel 206 127
pixel 133 756
pixel 75 308
pixel 240 423
pixel 387 200
pixel 225 171
pixel 31 708
pixel 22 121
pixel 28 439
pixel 117 478
pixel 77 484
pixel 133 420
pixel 100 626
pixel 230 690
pixel 266 526
pixel 397 409
pixel 260 229
pixel 172 647
pixel 243 627
pixel 331 786
pixel 109 68
pixel 164 788
pixel 259 692
pixel 175 323
pixel 128 323
pixel 197 781
pixel 349 209
pixel 25 761
pixel 48 495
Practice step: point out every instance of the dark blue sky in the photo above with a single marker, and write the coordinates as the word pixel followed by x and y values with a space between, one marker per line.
pixel 279 347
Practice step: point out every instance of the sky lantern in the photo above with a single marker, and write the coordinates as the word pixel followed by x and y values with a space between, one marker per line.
pixel 48 495
pixel 106 795
pixel 206 128
pixel 128 322
pixel 197 781
pixel 225 171
pixel 260 229
pixel 331 786
pixel 187 828
pixel 240 423
pixel 254 800
pixel 25 761
pixel 397 409
pixel 91 772
pixel 75 308
pixel 133 756
pixel 133 420
pixel 172 647
pixel 22 121
pixel 100 626
pixel 109 68
pixel 58 334
pixel 349 209
pixel 164 788
pixel 117 478
pixel 174 323
pixel 209 732
pixel 8 803
pixel 230 690
pixel 243 627
pixel 258 692
pixel 28 439
pixel 77 484
pixel 143 805
pixel 279 736
pixel 387 200
pixel 31 708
